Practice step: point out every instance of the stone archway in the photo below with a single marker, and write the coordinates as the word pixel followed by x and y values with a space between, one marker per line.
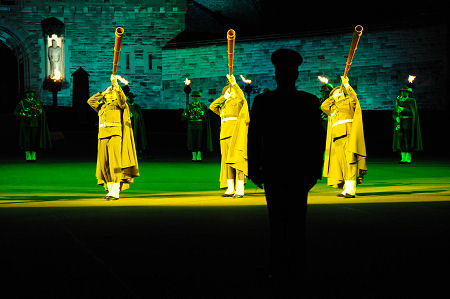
pixel 9 90
pixel 17 50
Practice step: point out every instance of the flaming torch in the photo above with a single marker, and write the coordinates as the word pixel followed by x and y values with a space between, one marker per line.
pixel 325 89
pixel 411 79
pixel 187 90
pixel 324 80
pixel 54 84
pixel 122 80
pixel 56 76
pixel 248 87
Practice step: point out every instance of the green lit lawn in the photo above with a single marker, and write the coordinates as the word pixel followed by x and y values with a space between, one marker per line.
pixel 171 235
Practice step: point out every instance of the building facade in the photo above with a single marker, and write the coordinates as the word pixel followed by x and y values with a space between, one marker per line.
pixel 88 42
pixel 156 64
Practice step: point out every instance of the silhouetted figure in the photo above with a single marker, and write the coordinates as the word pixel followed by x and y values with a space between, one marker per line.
pixel 285 154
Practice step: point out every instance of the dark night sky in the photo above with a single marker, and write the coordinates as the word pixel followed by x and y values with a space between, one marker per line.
pixel 263 17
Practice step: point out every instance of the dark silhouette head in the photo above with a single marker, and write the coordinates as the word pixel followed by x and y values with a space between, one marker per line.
pixel 286 62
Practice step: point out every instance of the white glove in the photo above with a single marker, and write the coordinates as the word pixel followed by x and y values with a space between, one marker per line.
pixel 231 79
pixel 345 81
pixel 106 90
pixel 228 94
pixel 337 94
pixel 114 80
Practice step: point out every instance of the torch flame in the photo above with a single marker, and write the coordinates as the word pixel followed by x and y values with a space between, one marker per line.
pixel 123 80
pixel 56 75
pixel 187 81
pixel 248 81
pixel 411 78
pixel 324 80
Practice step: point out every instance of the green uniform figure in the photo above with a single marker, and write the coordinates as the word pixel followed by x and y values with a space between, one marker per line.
pixel 198 127
pixel 138 124
pixel 33 128
pixel 407 136
pixel 324 94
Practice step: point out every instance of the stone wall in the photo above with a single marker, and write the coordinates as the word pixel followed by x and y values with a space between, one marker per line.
pixel 89 41
pixel 383 61
pixel 156 70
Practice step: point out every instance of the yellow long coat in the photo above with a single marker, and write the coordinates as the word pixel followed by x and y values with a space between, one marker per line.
pixel 118 114
pixel 349 108
pixel 236 130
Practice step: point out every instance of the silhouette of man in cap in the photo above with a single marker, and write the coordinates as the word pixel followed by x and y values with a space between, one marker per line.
pixel 285 155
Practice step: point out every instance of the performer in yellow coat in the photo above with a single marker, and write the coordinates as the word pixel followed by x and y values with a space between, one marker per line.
pixel 345 151
pixel 232 108
pixel 116 160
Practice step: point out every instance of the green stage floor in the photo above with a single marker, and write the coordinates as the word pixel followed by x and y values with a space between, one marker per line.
pixel 171 235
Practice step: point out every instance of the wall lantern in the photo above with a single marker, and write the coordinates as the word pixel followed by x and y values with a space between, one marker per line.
pixel 53 34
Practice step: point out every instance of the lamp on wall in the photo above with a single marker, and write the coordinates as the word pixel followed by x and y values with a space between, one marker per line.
pixel 53 34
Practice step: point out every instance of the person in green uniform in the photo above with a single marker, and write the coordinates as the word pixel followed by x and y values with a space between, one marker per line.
pixel 345 151
pixel 138 124
pixel 324 94
pixel 407 136
pixel 116 159
pixel 33 127
pixel 198 127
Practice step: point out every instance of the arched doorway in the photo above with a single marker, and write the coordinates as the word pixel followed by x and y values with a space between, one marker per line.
pixel 9 79
pixel 15 75
pixel 14 78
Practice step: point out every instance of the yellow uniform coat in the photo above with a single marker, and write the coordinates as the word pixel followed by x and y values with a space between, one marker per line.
pixel 338 113
pixel 234 130
pixel 114 120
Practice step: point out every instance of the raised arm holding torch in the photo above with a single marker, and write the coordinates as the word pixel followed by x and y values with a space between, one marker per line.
pixel 187 90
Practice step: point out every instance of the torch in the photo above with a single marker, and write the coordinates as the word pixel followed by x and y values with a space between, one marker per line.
pixel 411 79
pixel 122 79
pixel 324 80
pixel 117 47
pixel 187 90
pixel 248 87
pixel 231 36
pixel 355 40
pixel 325 89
